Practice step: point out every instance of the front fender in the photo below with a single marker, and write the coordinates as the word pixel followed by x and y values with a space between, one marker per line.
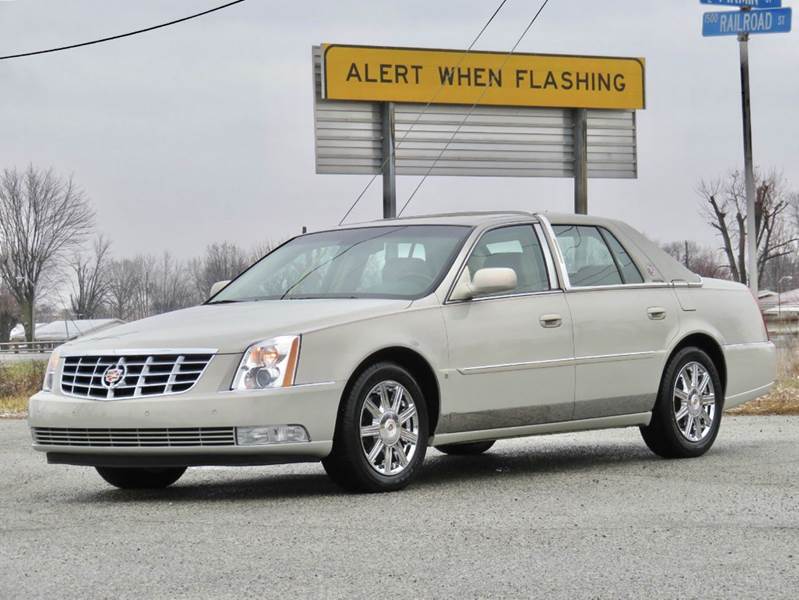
pixel 333 354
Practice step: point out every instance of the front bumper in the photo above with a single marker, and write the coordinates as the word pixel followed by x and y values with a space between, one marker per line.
pixel 314 406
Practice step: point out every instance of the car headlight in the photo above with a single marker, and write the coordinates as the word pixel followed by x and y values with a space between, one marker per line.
pixel 268 364
pixel 49 372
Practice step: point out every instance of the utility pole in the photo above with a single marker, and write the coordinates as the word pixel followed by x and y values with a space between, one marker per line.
pixel 749 174
pixel 687 258
pixel 768 16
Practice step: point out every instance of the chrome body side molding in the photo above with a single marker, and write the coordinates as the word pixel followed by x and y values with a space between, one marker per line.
pixel 580 360
pixel 632 420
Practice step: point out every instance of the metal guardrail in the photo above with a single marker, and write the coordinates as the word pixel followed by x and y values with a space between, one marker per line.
pixel 39 347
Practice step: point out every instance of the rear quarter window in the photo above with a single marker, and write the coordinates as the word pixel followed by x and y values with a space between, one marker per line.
pixel 588 259
pixel 629 272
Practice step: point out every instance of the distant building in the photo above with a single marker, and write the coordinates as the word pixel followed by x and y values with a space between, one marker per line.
pixel 65 330
pixel 18 332
pixel 780 311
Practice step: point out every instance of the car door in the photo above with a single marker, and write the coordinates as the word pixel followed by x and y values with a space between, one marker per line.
pixel 622 324
pixel 511 354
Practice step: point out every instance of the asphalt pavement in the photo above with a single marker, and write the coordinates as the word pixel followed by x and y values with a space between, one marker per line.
pixel 588 515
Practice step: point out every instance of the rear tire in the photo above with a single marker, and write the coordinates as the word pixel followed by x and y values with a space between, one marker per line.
pixel 687 413
pixel 381 433
pixel 470 449
pixel 134 478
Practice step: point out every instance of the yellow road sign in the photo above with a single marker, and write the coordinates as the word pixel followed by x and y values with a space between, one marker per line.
pixel 486 78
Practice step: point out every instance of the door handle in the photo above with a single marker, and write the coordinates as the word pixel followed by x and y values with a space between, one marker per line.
pixel 550 321
pixel 656 313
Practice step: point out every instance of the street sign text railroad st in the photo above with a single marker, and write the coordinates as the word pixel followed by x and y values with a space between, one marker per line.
pixel 777 20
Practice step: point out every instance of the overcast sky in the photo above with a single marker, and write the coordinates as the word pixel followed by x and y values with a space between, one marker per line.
pixel 203 131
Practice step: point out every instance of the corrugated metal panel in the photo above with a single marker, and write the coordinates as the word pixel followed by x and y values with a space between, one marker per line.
pixel 347 135
pixel 493 141
pixel 612 147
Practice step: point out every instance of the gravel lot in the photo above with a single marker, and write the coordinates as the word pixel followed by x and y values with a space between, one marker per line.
pixel 590 515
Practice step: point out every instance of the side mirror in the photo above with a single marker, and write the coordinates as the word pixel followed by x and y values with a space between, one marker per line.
pixel 218 287
pixel 485 281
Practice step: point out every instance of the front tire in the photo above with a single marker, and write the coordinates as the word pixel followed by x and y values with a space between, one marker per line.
pixel 134 478
pixel 470 449
pixel 687 414
pixel 382 431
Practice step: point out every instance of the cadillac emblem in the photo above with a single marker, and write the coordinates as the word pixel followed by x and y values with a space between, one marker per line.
pixel 113 376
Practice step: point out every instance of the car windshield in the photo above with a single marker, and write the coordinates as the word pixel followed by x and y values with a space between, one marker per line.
pixel 372 262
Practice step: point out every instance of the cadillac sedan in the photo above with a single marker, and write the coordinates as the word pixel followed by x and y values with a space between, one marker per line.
pixel 362 346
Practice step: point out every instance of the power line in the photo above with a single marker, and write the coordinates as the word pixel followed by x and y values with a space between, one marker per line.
pixel 122 35
pixel 422 112
pixel 471 110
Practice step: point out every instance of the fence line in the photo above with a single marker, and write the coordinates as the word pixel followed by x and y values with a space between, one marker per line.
pixel 39 347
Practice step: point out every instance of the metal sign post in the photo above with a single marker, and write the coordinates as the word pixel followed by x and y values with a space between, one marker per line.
pixel 581 161
pixel 755 16
pixel 389 161
pixel 749 174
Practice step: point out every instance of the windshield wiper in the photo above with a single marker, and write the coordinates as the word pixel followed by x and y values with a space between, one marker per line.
pixel 342 297
pixel 224 301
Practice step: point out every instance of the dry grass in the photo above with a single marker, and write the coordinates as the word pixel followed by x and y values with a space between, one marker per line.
pixel 784 398
pixel 18 382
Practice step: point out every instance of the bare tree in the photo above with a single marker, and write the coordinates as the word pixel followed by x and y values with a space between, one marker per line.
pixel 221 262
pixel 123 282
pixel 262 249
pixel 91 282
pixel 171 288
pixel 145 269
pixel 699 259
pixel 132 287
pixel 42 217
pixel 794 200
pixel 724 207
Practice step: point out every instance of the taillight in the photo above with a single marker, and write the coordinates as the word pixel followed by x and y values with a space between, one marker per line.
pixel 762 316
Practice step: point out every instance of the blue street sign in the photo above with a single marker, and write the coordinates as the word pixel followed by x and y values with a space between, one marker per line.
pixel 776 20
pixel 744 3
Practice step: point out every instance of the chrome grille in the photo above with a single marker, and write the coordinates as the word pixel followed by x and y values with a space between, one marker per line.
pixel 140 375
pixel 135 438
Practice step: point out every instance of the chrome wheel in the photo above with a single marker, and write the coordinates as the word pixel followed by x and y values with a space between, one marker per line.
pixel 694 402
pixel 389 428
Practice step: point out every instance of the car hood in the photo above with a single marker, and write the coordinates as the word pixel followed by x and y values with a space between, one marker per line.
pixel 231 328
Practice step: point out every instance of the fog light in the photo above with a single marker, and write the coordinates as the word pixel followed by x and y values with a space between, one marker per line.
pixel 271 434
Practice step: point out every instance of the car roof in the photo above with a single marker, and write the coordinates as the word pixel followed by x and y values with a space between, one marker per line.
pixel 474 218
pixel 454 218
